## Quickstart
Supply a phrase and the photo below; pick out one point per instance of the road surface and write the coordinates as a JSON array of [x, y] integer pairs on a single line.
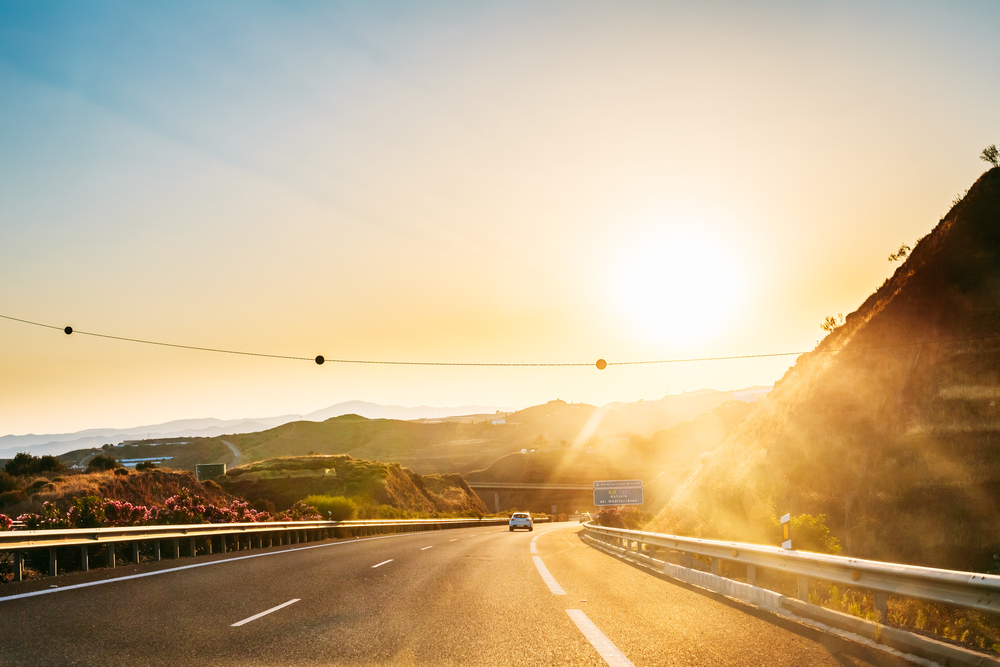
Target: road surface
[[236, 454], [481, 596]]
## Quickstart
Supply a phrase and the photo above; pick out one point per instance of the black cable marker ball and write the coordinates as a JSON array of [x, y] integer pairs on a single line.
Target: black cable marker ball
[[601, 364], [320, 360], [68, 330]]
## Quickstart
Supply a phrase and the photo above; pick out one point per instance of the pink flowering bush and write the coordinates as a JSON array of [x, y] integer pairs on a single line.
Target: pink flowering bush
[[182, 508], [5, 522], [299, 512]]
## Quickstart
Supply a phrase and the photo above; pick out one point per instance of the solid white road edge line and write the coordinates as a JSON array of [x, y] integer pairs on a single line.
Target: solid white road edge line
[[382, 563], [426, 548], [599, 640], [548, 578], [46, 591], [263, 613]]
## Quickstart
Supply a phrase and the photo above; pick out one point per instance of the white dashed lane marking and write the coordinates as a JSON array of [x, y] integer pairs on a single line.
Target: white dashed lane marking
[[382, 563], [263, 613], [599, 640]]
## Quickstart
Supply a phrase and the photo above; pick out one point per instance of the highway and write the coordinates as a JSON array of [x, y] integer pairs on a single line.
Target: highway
[[480, 596]]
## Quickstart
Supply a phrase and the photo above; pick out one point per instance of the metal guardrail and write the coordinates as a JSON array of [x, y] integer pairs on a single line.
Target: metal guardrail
[[963, 589], [204, 537]]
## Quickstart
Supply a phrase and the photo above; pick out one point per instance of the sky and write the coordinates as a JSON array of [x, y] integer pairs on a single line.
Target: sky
[[473, 182]]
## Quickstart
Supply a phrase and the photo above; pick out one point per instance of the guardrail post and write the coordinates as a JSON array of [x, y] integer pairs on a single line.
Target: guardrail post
[[803, 592], [177, 548], [111, 554], [194, 548], [222, 544], [18, 566], [84, 558], [135, 552], [716, 569], [53, 561], [686, 559], [752, 575], [208, 546], [882, 605], [156, 550]]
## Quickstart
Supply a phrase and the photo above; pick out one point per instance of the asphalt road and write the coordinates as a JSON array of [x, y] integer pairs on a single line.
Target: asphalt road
[[453, 597]]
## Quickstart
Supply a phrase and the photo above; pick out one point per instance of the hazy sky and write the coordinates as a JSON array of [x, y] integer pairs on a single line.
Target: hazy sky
[[470, 182]]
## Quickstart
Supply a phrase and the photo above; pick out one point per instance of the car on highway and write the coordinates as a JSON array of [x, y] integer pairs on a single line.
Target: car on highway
[[585, 517], [521, 520]]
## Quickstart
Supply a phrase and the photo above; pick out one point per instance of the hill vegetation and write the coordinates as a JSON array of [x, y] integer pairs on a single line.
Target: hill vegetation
[[375, 489], [890, 427]]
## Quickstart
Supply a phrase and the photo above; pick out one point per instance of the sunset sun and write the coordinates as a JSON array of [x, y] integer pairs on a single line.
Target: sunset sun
[[678, 287]]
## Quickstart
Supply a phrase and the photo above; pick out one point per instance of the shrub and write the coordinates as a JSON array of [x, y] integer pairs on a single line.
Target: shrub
[[121, 471], [5, 522], [991, 154], [26, 464], [809, 533], [11, 497], [7, 483], [102, 462], [299, 512], [335, 508], [145, 465], [611, 517]]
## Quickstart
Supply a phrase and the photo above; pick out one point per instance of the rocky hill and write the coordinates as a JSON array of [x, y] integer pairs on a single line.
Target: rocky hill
[[890, 426]]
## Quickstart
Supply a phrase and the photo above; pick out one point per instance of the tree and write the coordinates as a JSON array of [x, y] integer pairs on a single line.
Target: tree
[[991, 154], [831, 322], [900, 254], [20, 464], [102, 462]]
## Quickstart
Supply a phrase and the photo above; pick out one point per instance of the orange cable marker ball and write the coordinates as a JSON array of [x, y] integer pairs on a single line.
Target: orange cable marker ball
[[601, 364]]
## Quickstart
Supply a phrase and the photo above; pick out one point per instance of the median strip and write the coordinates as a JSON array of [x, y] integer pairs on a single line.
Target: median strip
[[382, 563], [263, 613], [599, 640]]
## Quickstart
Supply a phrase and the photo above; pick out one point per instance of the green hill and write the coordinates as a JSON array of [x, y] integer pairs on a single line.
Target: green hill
[[890, 426], [464, 446], [282, 481]]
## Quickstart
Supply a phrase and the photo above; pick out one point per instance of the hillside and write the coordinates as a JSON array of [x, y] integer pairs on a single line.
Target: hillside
[[148, 488], [282, 481], [890, 426], [463, 446]]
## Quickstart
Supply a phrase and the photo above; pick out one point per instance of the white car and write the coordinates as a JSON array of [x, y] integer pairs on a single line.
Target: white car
[[520, 520]]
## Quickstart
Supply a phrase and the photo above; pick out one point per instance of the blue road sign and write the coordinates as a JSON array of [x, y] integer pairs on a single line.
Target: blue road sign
[[618, 492]]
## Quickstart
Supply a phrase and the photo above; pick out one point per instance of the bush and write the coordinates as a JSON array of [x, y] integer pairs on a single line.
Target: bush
[[145, 465], [26, 464], [7, 483], [121, 471], [809, 533], [335, 508], [102, 462]]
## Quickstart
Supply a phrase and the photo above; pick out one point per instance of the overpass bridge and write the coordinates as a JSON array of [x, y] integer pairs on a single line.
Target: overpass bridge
[[536, 497]]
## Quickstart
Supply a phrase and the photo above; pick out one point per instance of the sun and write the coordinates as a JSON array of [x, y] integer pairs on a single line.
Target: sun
[[679, 286]]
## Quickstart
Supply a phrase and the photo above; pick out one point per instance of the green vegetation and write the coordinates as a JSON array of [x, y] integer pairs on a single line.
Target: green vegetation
[[374, 489], [26, 464], [102, 462], [335, 508]]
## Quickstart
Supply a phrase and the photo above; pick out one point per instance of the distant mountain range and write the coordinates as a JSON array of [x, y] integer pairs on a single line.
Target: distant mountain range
[[61, 443]]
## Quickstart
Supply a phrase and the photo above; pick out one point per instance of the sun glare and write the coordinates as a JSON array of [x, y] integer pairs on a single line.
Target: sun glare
[[678, 287]]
